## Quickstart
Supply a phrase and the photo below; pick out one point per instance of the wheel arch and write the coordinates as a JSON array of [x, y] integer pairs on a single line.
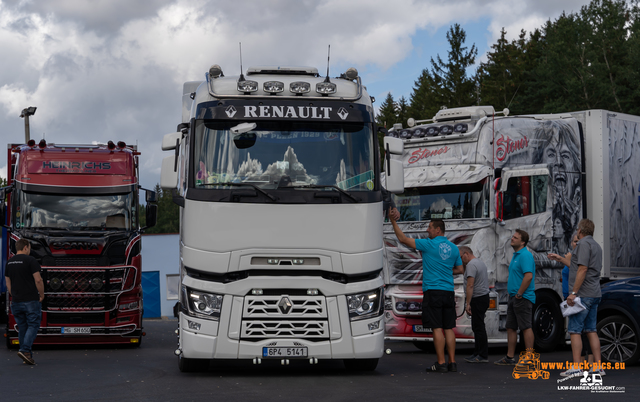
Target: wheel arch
[[609, 310]]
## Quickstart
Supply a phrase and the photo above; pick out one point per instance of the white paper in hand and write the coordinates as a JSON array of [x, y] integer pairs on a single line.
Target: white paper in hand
[[568, 310]]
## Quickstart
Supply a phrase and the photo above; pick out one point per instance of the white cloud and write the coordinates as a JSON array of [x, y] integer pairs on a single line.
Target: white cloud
[[113, 69]]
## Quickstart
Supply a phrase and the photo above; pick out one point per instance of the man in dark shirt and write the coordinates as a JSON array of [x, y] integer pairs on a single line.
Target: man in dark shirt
[[26, 288]]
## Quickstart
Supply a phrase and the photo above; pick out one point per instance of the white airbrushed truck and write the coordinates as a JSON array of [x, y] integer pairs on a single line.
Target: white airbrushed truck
[[277, 179], [487, 175]]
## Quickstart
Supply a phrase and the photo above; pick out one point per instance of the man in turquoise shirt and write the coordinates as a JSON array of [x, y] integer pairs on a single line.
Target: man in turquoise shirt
[[440, 261], [522, 297]]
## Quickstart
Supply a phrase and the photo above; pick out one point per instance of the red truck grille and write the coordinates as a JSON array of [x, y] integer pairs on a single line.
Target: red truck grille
[[80, 302]]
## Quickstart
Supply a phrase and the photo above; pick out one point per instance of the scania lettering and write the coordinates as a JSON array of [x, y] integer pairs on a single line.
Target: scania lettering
[[277, 178], [487, 175], [78, 207]]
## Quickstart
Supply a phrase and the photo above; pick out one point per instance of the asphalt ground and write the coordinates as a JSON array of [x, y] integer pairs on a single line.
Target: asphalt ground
[[150, 373]]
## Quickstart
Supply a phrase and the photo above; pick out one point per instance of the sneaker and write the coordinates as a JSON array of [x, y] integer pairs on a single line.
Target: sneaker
[[438, 368], [26, 357], [477, 359], [471, 358], [452, 367], [598, 371], [571, 373], [506, 361]]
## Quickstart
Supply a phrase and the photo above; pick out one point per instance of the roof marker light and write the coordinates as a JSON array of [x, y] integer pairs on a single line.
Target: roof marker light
[[215, 71]]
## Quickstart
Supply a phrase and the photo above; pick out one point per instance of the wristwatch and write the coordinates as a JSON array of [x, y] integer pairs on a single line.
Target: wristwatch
[[518, 296], [574, 293]]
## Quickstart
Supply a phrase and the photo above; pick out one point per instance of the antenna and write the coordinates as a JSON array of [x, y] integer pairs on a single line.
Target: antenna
[[241, 75], [328, 59]]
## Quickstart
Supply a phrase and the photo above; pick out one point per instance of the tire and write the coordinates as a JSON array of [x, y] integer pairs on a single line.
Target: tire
[[618, 340], [361, 364], [193, 365], [425, 346], [547, 323]]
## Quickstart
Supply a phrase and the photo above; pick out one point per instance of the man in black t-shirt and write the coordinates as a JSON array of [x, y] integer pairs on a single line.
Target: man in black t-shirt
[[26, 288]]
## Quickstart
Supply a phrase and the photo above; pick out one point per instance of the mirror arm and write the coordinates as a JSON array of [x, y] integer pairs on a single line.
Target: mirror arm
[[177, 153], [387, 157]]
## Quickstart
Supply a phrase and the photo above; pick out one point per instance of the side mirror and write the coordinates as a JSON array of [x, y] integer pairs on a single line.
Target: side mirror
[[383, 131], [3, 209], [393, 145], [168, 175], [171, 141], [150, 196], [151, 216]]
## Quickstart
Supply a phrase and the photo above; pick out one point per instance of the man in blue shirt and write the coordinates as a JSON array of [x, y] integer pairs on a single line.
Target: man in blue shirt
[[440, 261], [521, 288]]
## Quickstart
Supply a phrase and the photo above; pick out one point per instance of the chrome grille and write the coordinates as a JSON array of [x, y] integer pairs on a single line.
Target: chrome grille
[[284, 306], [285, 329]]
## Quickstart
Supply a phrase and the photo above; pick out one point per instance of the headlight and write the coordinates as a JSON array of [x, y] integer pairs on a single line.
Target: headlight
[[365, 305], [201, 304]]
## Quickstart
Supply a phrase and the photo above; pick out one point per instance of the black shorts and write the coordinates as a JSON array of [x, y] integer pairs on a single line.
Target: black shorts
[[439, 309], [519, 313]]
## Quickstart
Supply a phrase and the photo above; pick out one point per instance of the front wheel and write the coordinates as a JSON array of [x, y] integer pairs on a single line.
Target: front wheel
[[192, 365], [618, 340], [547, 323], [361, 364]]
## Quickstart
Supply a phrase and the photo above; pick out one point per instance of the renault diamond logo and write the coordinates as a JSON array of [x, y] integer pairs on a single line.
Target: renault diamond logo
[[285, 305], [342, 112], [231, 111]]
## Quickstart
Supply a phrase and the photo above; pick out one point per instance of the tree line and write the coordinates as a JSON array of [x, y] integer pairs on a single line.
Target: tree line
[[584, 60]]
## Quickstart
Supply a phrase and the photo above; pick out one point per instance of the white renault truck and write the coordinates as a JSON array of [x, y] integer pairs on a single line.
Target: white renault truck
[[277, 179], [486, 175]]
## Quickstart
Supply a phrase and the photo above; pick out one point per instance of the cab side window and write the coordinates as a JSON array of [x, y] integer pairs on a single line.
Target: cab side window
[[526, 195]]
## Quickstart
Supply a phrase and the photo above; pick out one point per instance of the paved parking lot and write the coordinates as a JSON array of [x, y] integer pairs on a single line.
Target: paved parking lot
[[150, 373]]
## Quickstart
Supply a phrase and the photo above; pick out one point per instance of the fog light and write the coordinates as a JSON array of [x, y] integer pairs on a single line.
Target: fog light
[[298, 262], [374, 325], [273, 261], [96, 283], [273, 87], [247, 86], [83, 284], [312, 292], [299, 87], [55, 283], [256, 292], [69, 284], [194, 325], [134, 340], [326, 88]]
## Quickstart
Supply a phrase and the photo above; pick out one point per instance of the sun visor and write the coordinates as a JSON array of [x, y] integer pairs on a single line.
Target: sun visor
[[445, 175]]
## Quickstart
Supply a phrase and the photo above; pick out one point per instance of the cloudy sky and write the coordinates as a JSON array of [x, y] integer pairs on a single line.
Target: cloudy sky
[[100, 70]]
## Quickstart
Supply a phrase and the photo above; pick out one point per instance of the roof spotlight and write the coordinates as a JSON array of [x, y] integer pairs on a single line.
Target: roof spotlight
[[351, 73], [42, 144], [31, 143], [111, 145], [215, 71], [122, 144]]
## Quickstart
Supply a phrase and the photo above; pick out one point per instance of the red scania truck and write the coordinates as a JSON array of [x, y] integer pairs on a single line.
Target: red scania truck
[[78, 207]]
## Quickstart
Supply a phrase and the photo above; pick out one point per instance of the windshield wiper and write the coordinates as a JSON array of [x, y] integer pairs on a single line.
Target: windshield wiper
[[354, 199], [229, 183]]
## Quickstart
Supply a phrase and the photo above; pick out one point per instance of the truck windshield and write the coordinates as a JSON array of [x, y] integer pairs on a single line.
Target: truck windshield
[[285, 154], [83, 212], [465, 201]]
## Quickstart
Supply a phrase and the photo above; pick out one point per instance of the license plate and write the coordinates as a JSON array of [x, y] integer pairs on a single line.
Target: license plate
[[420, 328], [75, 330], [284, 352]]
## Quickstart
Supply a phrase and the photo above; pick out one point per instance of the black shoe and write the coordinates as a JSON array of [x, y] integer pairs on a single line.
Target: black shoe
[[26, 357], [506, 361], [438, 368], [453, 367], [477, 359], [471, 359]]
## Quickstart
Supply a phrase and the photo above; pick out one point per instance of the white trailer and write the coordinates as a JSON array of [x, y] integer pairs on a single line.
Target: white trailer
[[277, 179], [488, 175]]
